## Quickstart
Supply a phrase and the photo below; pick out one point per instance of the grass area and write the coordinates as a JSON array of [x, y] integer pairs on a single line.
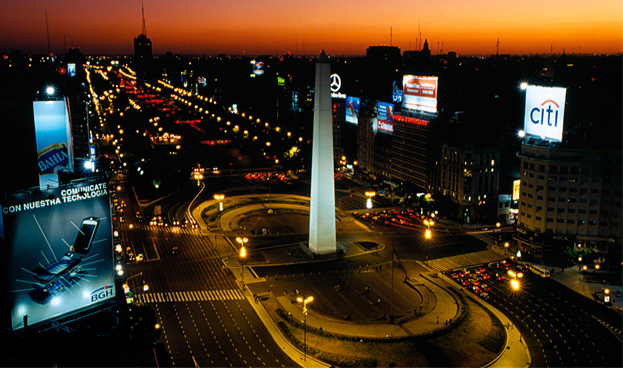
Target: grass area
[[474, 340]]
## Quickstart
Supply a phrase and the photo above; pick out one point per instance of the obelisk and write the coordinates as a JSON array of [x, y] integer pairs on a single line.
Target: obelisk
[[322, 207]]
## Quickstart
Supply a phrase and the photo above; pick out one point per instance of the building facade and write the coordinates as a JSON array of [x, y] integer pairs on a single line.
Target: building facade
[[569, 198]]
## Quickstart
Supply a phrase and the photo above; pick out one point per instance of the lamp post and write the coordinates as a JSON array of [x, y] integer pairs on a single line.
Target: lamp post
[[243, 255], [427, 233], [309, 299], [198, 177], [579, 264], [521, 326], [369, 194], [219, 198], [506, 247]]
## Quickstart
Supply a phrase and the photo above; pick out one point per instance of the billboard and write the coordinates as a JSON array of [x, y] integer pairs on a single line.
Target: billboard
[[71, 70], [385, 114], [545, 110], [258, 67], [516, 189], [53, 136], [419, 93], [352, 109], [59, 250]]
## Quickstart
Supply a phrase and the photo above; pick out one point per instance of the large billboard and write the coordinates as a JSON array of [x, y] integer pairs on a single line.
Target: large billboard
[[352, 109], [53, 136], [545, 111], [419, 93], [385, 114], [59, 250]]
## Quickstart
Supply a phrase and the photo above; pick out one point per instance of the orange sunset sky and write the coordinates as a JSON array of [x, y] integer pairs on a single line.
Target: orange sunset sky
[[346, 27]]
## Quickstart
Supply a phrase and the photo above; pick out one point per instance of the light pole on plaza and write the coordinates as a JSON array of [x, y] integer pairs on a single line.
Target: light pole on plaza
[[309, 299], [369, 194], [219, 198], [243, 255]]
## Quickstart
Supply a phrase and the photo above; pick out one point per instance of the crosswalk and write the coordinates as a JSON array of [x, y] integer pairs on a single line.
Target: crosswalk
[[189, 296], [170, 229], [465, 260]]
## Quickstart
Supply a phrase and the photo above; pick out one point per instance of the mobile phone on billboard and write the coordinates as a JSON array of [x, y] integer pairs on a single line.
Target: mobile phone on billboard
[[86, 235]]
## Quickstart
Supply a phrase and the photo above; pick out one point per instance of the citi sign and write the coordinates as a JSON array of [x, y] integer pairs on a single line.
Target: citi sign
[[102, 293], [545, 110]]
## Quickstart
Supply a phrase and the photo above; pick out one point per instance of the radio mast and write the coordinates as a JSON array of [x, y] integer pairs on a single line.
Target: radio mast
[[47, 28], [144, 32]]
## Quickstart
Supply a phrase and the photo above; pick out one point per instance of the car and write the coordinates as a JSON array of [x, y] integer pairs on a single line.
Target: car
[[139, 257], [121, 219], [183, 222], [175, 222], [485, 296], [174, 251], [485, 287], [499, 277]]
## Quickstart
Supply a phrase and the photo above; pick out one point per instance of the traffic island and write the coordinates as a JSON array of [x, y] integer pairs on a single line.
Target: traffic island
[[473, 339]]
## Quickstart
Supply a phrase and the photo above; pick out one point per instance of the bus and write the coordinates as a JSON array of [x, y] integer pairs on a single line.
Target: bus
[[540, 271]]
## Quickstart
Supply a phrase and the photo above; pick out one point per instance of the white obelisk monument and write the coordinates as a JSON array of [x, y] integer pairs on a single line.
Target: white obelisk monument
[[322, 207]]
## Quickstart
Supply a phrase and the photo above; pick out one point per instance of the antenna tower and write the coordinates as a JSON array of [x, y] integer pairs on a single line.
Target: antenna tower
[[47, 28], [391, 35], [497, 47], [144, 32]]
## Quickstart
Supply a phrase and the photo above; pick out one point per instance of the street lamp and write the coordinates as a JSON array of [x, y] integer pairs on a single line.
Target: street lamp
[[506, 247], [198, 177], [309, 299], [243, 255], [369, 194], [427, 233], [219, 198], [521, 326]]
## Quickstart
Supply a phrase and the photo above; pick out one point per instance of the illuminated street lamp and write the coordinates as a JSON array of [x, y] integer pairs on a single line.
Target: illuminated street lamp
[[428, 234], [506, 247], [219, 198], [198, 177], [243, 255], [309, 299], [369, 194]]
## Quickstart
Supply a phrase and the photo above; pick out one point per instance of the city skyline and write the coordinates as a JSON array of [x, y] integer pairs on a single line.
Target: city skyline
[[305, 27]]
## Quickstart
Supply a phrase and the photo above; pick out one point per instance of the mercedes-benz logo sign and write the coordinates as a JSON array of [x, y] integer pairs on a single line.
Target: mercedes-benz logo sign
[[336, 83]]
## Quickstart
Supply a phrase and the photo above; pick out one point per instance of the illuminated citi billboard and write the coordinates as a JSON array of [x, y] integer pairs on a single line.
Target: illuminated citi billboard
[[59, 250], [53, 136], [419, 93], [545, 111]]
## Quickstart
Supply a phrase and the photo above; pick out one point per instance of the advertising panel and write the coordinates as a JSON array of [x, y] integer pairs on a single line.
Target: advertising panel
[[419, 93], [516, 188], [258, 67], [59, 250], [385, 113], [352, 109], [545, 111], [53, 136], [71, 70]]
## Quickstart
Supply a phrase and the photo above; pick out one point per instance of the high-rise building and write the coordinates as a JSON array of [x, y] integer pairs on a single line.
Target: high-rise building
[[142, 53], [410, 150], [569, 198]]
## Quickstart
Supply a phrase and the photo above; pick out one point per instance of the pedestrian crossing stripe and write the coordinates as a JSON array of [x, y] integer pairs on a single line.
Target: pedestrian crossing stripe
[[189, 296], [170, 229], [465, 260]]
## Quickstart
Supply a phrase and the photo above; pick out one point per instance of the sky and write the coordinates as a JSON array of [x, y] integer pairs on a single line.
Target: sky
[[305, 27]]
